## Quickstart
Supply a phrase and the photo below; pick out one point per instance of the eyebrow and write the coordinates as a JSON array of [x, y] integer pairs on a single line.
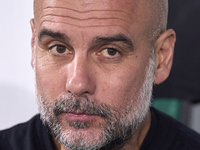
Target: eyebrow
[[115, 38], [55, 35]]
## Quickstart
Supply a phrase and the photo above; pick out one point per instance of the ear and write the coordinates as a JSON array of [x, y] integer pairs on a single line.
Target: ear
[[32, 22], [164, 50]]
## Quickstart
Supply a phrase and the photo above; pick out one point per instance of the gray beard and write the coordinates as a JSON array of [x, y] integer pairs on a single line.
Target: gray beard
[[119, 127], [113, 132]]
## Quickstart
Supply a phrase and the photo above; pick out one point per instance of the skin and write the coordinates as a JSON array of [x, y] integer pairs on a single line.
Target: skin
[[86, 68]]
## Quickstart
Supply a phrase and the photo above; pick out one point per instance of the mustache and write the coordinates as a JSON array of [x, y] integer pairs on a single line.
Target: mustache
[[81, 105]]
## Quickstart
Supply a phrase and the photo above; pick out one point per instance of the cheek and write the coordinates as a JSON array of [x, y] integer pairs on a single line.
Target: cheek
[[50, 83], [122, 88]]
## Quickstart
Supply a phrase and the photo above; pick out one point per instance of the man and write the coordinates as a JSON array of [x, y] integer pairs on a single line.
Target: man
[[95, 63]]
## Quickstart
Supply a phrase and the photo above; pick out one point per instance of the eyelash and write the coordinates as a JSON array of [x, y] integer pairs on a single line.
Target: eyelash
[[106, 52], [63, 49]]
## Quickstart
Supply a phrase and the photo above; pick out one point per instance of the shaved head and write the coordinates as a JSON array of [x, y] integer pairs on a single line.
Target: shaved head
[[156, 15]]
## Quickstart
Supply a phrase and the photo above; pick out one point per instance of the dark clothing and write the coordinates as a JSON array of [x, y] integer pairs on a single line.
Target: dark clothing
[[168, 134], [165, 134], [31, 135]]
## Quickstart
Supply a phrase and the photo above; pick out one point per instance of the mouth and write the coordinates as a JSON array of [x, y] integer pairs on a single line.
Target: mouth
[[80, 111], [79, 116]]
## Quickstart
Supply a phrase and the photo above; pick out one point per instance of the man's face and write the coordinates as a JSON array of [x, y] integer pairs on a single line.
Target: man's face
[[91, 63]]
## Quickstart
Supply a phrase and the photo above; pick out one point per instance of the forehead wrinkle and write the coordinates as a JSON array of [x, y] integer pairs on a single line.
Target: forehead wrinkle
[[79, 26], [81, 6], [112, 19], [84, 11], [85, 22], [82, 16]]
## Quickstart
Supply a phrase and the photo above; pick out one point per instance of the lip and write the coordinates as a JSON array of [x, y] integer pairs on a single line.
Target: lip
[[79, 116]]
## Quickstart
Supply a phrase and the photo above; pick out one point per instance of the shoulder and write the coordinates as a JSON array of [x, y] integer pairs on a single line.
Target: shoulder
[[178, 135], [22, 128], [22, 136]]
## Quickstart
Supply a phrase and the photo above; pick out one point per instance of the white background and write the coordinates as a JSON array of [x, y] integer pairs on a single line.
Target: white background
[[17, 85]]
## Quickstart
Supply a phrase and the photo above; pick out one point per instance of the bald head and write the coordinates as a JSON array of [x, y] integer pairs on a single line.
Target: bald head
[[156, 13]]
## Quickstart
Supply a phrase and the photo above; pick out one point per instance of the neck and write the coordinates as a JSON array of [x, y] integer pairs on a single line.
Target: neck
[[134, 143]]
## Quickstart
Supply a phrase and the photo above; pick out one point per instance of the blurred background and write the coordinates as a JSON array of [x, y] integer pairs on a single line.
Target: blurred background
[[179, 95], [17, 101]]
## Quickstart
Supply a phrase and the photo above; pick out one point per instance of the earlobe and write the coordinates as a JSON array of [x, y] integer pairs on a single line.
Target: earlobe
[[32, 22], [164, 50]]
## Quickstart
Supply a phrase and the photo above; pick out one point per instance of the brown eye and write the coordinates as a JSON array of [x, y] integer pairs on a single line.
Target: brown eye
[[59, 49], [109, 52]]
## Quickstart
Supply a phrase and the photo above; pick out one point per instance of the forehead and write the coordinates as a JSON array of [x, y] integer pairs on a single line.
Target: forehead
[[121, 14], [88, 5], [125, 10]]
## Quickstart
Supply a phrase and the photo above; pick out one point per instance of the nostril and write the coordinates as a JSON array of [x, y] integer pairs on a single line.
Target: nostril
[[69, 91]]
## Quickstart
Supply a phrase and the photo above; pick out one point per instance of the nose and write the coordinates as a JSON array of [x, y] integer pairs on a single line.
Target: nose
[[80, 77]]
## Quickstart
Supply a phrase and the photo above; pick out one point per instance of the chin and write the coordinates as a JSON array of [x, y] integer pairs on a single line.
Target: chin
[[91, 137]]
